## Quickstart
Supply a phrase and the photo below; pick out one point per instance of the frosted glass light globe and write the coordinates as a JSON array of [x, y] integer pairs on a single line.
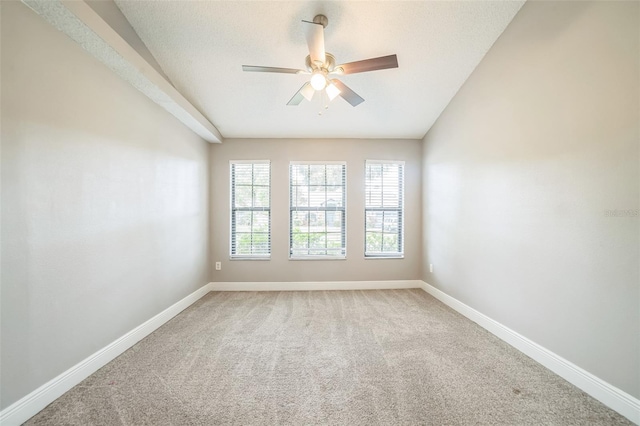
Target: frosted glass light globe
[[318, 81], [332, 91]]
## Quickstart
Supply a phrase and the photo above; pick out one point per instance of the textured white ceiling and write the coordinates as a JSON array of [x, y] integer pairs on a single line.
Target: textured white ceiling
[[202, 45]]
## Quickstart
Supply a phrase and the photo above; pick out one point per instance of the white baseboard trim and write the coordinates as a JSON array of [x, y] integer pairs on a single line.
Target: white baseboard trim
[[28, 406], [609, 395], [315, 285]]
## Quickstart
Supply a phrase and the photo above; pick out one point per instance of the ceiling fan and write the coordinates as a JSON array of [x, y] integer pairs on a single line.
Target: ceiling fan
[[321, 66]]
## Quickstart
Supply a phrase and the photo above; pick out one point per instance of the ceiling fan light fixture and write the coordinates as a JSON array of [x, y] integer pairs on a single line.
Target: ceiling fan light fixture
[[320, 64], [332, 91], [307, 91], [318, 80]]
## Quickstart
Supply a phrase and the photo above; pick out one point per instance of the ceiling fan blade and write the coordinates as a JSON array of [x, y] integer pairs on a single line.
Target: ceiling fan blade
[[373, 64], [305, 92], [314, 33], [253, 68], [347, 94]]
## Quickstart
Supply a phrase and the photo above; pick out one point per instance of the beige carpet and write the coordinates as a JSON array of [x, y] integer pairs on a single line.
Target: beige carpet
[[388, 357]]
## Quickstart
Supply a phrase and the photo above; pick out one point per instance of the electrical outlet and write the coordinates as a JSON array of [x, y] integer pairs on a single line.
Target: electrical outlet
[[431, 267], [218, 266]]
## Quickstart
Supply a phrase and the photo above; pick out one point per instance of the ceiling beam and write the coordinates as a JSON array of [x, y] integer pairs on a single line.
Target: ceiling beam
[[83, 25]]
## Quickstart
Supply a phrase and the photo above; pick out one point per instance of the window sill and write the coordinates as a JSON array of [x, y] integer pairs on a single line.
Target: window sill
[[318, 258], [384, 257], [249, 258]]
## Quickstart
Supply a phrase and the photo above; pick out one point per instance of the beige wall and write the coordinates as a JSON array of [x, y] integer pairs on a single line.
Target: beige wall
[[104, 205], [281, 152], [519, 172]]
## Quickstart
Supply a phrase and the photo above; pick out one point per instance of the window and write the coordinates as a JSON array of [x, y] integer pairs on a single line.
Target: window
[[250, 209], [317, 199], [384, 209]]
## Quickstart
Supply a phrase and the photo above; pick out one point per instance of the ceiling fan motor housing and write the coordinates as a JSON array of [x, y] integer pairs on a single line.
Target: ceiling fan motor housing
[[328, 66]]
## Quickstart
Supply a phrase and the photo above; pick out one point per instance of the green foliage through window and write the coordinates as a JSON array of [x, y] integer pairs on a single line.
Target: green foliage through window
[[384, 209], [250, 209], [317, 210]]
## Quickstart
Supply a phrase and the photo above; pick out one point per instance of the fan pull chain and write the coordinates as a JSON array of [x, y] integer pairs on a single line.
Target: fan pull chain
[[324, 100]]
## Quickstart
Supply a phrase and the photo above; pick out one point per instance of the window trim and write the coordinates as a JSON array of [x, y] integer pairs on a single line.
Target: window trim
[[231, 210], [400, 210], [343, 210]]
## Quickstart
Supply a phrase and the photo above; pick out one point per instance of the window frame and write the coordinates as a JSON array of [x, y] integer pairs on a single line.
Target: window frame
[[232, 209], [342, 209], [399, 210]]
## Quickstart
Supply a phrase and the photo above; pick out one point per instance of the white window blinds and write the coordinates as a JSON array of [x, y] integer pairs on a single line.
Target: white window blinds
[[384, 208], [317, 217], [250, 209]]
